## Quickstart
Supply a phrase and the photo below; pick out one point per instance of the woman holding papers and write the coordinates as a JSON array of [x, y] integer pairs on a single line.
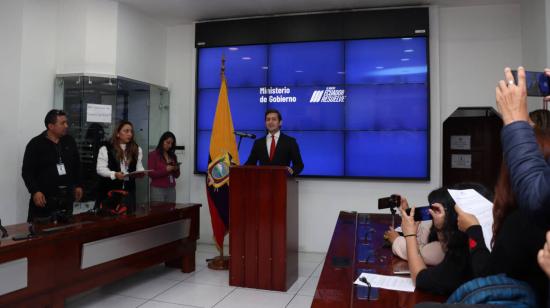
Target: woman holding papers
[[516, 238], [165, 169], [454, 270], [119, 164]]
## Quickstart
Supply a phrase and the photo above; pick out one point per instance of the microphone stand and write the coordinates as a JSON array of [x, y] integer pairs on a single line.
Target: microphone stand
[[240, 140]]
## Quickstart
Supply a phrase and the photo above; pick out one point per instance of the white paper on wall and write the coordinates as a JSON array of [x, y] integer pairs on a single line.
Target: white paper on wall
[[98, 113]]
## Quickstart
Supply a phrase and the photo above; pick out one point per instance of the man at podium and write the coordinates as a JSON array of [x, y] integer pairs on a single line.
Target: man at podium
[[276, 148]]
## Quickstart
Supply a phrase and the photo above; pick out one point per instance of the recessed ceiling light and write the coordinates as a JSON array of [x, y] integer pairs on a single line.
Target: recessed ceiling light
[[299, 71], [379, 67], [265, 67], [341, 73], [406, 38], [405, 59], [233, 48], [246, 58], [408, 50]]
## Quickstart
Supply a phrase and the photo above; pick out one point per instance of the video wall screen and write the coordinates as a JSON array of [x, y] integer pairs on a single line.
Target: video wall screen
[[357, 108]]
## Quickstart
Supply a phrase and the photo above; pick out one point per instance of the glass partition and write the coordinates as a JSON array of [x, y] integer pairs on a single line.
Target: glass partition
[[95, 105]]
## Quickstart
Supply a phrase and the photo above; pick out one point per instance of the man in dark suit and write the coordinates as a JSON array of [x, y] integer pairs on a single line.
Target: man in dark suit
[[276, 148]]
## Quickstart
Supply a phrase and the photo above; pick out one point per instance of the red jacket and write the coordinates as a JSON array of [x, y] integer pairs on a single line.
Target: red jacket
[[159, 176]]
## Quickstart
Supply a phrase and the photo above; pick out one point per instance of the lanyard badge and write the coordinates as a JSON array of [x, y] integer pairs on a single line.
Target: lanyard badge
[[61, 169]]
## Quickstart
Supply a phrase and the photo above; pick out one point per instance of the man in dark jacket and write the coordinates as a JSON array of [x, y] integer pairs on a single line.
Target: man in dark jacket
[[276, 148], [51, 169]]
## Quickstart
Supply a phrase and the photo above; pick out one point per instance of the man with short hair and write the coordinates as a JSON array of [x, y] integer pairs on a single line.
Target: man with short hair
[[276, 149], [51, 169]]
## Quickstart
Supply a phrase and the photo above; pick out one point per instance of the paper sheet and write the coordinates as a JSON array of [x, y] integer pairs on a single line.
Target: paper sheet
[[470, 201], [387, 282], [98, 113], [136, 173]]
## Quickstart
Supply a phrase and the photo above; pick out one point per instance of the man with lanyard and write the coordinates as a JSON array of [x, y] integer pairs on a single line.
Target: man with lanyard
[[51, 170]]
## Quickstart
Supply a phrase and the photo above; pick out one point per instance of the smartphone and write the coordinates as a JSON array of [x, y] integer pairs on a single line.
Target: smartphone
[[421, 213], [537, 83]]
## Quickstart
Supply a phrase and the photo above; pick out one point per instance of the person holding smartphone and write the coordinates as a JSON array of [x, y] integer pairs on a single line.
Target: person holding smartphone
[[165, 169], [455, 269], [118, 158], [430, 248]]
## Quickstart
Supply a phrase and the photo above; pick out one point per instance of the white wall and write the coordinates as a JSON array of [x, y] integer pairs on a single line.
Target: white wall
[[28, 35], [71, 38], [141, 47], [87, 37], [36, 82], [533, 34], [469, 48], [104, 37], [180, 79], [11, 14], [476, 43], [100, 34]]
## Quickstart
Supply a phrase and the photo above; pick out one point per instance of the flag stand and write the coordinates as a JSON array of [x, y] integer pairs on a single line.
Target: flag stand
[[219, 263]]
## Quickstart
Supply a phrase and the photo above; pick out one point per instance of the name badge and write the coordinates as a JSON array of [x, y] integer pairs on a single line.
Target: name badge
[[61, 169], [171, 179]]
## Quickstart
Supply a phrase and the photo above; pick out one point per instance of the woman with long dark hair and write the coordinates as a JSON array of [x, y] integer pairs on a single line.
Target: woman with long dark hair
[[516, 237], [165, 169], [115, 160], [454, 270]]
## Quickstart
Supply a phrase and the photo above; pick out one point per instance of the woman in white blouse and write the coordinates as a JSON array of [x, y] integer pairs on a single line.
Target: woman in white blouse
[[117, 162]]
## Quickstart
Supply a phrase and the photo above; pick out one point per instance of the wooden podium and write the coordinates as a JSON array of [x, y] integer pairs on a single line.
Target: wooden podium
[[263, 215]]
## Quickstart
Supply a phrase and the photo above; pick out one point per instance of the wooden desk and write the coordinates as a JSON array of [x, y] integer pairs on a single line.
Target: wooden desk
[[336, 288], [93, 251]]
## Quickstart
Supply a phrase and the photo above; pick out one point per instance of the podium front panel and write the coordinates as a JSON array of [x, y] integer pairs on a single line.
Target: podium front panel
[[263, 228]]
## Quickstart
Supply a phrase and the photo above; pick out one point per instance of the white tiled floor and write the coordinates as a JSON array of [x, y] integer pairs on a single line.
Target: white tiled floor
[[162, 287]]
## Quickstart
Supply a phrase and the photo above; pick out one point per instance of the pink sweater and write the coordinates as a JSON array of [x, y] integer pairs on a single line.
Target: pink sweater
[[159, 176]]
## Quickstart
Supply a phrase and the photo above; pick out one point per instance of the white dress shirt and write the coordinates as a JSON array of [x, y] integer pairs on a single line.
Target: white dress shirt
[[268, 141], [102, 166]]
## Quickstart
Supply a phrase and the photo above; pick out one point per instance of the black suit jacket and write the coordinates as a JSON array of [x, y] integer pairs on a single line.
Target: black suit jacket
[[286, 151]]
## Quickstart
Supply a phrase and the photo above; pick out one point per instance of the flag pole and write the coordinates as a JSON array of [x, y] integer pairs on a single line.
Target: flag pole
[[220, 262]]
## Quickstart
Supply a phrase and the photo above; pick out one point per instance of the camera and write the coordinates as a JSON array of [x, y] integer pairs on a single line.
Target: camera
[[390, 202]]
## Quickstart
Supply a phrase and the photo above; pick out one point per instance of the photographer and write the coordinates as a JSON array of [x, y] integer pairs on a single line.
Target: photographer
[[454, 270], [428, 244], [529, 171], [51, 169]]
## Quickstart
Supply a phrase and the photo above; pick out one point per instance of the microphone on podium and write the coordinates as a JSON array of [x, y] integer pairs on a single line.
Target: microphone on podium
[[245, 135]]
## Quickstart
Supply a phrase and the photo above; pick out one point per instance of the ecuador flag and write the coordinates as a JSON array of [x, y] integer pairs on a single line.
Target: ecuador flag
[[223, 154]]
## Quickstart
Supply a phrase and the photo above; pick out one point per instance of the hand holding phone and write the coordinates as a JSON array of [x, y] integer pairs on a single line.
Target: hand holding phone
[[537, 83], [420, 213]]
